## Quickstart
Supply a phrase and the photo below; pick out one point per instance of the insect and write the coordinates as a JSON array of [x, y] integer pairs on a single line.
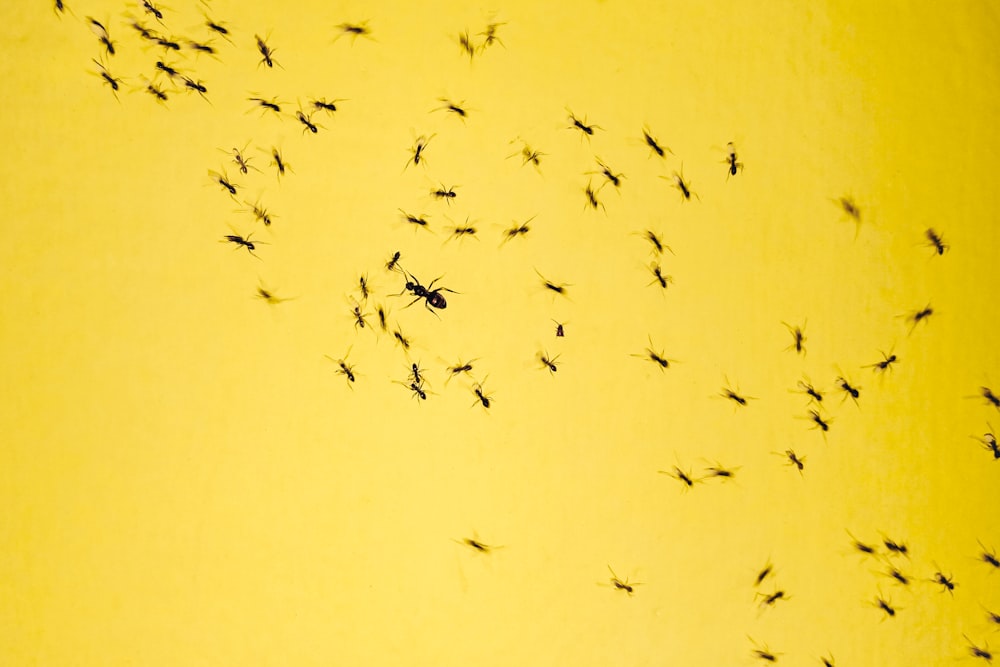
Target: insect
[[886, 364], [827, 661], [266, 105], [560, 330], [658, 276], [654, 146], [606, 171], [805, 387], [460, 367], [592, 200], [390, 264], [266, 52], [798, 338], [465, 42], [528, 154], [764, 573], [795, 460], [988, 556], [577, 124], [482, 398], [322, 105], [168, 44], [550, 364], [682, 185], [762, 652], [885, 605], [359, 317], [462, 232], [992, 617], [452, 107], [769, 600], [417, 221], [516, 230], [241, 161], [977, 652], [652, 355], [103, 37], [895, 547], [559, 288], [417, 389], [269, 296], [719, 471], [866, 549], [849, 390], [59, 7], [918, 316], [851, 209], [734, 165], [278, 162], [223, 180], [477, 545], [363, 286], [989, 442], [735, 397], [143, 31], [490, 36], [621, 585], [306, 121], [150, 8], [819, 422], [417, 151], [935, 241], [218, 28], [445, 193], [898, 576], [433, 298], [196, 86], [403, 341], [345, 369], [113, 82], [680, 476], [239, 241], [355, 30], [946, 582], [382, 321], [990, 397], [417, 375], [658, 245], [156, 92]]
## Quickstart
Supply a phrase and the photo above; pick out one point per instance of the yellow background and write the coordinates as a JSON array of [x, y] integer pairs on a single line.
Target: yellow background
[[186, 480]]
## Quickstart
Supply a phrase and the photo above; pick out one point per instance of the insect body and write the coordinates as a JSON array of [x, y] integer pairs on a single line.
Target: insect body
[[433, 298]]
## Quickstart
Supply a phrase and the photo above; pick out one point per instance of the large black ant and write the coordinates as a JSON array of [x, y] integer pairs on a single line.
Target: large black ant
[[990, 397], [764, 573], [363, 286], [577, 124], [452, 107], [108, 79], [734, 396], [894, 547], [653, 144], [548, 363], [592, 200], [223, 180], [143, 31], [307, 123], [849, 390], [433, 298], [239, 241], [770, 599], [156, 92], [528, 154], [762, 652], [683, 477], [794, 459], [322, 105], [417, 389], [267, 105], [805, 387], [482, 398], [606, 171], [798, 338], [885, 605], [278, 162], [460, 232], [719, 471], [196, 86], [658, 245], [820, 423], [218, 28], [168, 44], [898, 576], [168, 70], [359, 317], [935, 241], [383, 321], [946, 582], [460, 367], [390, 264], [863, 547], [445, 193], [476, 545], [150, 8]]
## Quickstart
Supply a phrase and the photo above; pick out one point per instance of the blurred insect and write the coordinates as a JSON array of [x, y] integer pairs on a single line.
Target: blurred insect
[[577, 124], [977, 652], [550, 364], [946, 582], [798, 338], [103, 37], [196, 86], [682, 185], [794, 459], [528, 154], [734, 165], [769, 600], [417, 221], [445, 193], [621, 585], [885, 605], [654, 146], [465, 42], [988, 556], [560, 330], [345, 369], [652, 355], [382, 321], [218, 28], [59, 8], [418, 390], [322, 105], [819, 422], [680, 476], [918, 316], [267, 105], [516, 230], [168, 44], [490, 36], [432, 297], [658, 276], [894, 547], [460, 233], [592, 200], [359, 317], [460, 367], [866, 549], [476, 545], [658, 245], [278, 162], [762, 652], [735, 397], [242, 161], [851, 209], [482, 398], [156, 92], [989, 442], [990, 397], [849, 390], [403, 341], [827, 661], [143, 31], [363, 286], [390, 264], [239, 241], [606, 171], [551, 286], [457, 108], [898, 576], [764, 573], [150, 8], [992, 617], [814, 394], [720, 472], [355, 30], [168, 70], [419, 146], [886, 364], [223, 180], [935, 241], [113, 82], [269, 296], [266, 52], [306, 121]]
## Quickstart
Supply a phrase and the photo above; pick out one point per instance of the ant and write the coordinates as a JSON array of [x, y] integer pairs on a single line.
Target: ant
[[658, 276], [415, 220], [762, 652], [417, 375], [992, 617], [278, 162], [886, 364], [59, 7], [432, 297], [849, 389], [223, 180], [977, 652], [656, 357], [306, 122], [417, 389], [798, 338], [403, 341], [852, 210], [917, 316], [885, 605], [465, 43], [946, 582], [460, 367], [359, 317], [390, 264], [267, 105], [444, 193], [577, 124], [990, 397], [322, 105], [269, 296], [156, 92], [355, 30], [769, 600], [814, 394], [605, 170], [681, 476], [168, 44], [895, 547], [150, 8], [490, 36], [98, 29], [764, 573], [656, 242], [108, 79], [239, 241], [196, 86], [549, 285], [478, 546], [143, 31], [935, 241], [457, 109], [259, 213], [623, 585], [794, 459], [653, 144], [482, 398], [718, 471], [516, 230], [345, 369], [419, 145], [592, 200], [988, 556], [462, 232], [241, 161], [560, 330], [866, 549], [168, 70], [735, 397], [266, 51], [821, 423], [827, 661], [528, 154], [989, 442], [734, 165], [550, 364], [898, 576], [363, 286], [680, 184], [382, 322]]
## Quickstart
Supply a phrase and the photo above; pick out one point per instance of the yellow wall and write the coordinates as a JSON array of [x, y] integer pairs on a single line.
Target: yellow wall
[[185, 479]]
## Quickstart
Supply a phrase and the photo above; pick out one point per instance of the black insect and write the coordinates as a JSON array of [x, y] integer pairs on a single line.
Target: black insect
[[560, 330], [417, 221], [267, 105], [260, 213], [898, 576], [827, 661], [417, 375], [653, 144], [989, 556], [306, 121], [946, 582], [770, 599], [143, 31], [403, 341], [196, 86], [59, 7], [814, 394], [621, 585], [516, 230], [548, 363], [269, 296], [390, 264], [528, 154], [156, 92], [977, 652], [992, 617], [853, 212], [322, 105], [735, 166], [577, 124], [764, 573], [150, 8], [102, 35], [894, 547], [819, 422], [918, 316], [477, 545], [218, 28], [355, 30], [658, 276], [433, 298], [606, 171], [795, 460], [278, 162], [460, 367], [242, 161], [658, 245], [239, 241], [798, 338], [682, 185], [935, 241], [445, 193], [490, 36], [363, 286], [990, 397], [885, 605], [113, 82], [465, 42], [721, 472], [482, 398], [383, 323], [460, 232], [989, 442], [345, 369], [849, 390], [266, 52], [359, 317], [864, 548], [681, 476], [457, 108], [168, 44], [223, 180], [592, 200], [559, 288], [418, 390], [652, 355], [886, 364], [762, 652], [734, 396]]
